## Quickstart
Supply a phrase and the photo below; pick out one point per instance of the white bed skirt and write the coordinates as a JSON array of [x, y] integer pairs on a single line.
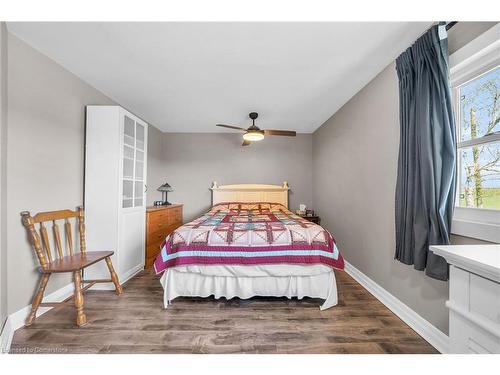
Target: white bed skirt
[[188, 284]]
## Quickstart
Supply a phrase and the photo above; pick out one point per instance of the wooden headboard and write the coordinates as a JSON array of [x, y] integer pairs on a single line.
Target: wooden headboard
[[250, 193]]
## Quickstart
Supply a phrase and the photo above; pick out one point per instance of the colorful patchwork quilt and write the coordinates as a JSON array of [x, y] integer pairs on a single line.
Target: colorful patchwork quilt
[[249, 234]]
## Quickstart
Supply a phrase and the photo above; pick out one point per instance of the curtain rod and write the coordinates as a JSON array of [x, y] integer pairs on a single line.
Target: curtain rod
[[449, 25]]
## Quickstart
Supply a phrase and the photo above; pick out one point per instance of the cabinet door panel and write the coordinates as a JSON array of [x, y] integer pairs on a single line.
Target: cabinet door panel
[[140, 155], [139, 170], [131, 241], [139, 165], [140, 136], [128, 131], [127, 193], [485, 298], [128, 152]]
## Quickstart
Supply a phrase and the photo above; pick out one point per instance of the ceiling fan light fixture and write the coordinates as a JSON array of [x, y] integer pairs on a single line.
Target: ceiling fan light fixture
[[253, 136]]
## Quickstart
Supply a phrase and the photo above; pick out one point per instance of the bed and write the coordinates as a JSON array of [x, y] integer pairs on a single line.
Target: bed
[[249, 244]]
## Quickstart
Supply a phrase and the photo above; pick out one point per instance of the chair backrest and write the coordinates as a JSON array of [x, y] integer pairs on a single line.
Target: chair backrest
[[40, 241]]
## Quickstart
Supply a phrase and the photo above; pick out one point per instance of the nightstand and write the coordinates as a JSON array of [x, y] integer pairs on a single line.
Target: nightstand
[[313, 219]]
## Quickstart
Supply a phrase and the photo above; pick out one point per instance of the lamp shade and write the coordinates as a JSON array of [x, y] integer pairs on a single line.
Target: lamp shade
[[165, 187]]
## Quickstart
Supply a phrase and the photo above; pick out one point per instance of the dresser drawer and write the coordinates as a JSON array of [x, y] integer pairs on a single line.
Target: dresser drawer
[[175, 215], [150, 261], [158, 214], [158, 236], [153, 250], [153, 230], [157, 222], [164, 218], [174, 226]]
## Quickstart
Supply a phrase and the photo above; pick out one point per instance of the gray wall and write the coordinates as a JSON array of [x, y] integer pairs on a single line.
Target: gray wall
[[192, 161], [156, 160], [355, 157], [464, 32], [46, 107], [3, 179]]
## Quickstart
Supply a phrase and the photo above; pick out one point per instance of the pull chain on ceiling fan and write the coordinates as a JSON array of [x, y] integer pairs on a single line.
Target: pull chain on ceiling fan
[[254, 133]]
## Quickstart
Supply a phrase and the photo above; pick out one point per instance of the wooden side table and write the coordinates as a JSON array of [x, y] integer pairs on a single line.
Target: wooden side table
[[313, 219]]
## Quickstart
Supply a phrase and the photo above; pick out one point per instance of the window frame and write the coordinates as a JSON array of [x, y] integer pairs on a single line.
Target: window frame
[[475, 59]]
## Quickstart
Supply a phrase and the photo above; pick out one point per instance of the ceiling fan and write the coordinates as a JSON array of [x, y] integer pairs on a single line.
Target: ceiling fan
[[254, 133]]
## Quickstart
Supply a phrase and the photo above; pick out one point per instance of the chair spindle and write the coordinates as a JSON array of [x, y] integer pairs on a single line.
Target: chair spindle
[[69, 236], [45, 242], [81, 229], [57, 237], [34, 238]]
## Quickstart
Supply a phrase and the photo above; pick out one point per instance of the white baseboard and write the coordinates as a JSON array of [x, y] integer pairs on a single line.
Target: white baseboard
[[6, 337], [16, 320], [430, 333]]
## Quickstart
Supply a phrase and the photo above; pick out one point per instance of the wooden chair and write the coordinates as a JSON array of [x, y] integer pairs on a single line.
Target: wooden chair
[[73, 262]]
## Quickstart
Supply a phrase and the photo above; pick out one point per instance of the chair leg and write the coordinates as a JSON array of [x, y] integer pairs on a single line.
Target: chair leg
[[81, 319], [37, 299], [114, 276]]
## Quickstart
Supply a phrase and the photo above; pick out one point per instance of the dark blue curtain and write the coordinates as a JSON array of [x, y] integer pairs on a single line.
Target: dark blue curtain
[[425, 188]]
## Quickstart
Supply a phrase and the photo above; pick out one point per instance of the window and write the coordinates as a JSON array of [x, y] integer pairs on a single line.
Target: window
[[478, 122], [475, 79]]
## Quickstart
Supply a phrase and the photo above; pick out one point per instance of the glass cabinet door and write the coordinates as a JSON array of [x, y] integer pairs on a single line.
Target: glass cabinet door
[[133, 186], [139, 165]]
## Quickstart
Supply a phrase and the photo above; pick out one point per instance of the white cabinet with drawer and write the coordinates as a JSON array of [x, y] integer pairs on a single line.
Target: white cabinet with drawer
[[474, 301]]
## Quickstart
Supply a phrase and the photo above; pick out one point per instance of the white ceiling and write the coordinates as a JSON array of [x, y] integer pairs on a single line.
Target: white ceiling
[[186, 77]]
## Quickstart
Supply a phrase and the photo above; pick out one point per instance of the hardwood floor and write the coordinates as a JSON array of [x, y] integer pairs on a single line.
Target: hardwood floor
[[136, 323]]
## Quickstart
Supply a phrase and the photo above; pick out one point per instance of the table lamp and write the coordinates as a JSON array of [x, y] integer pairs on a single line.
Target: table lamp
[[165, 188]]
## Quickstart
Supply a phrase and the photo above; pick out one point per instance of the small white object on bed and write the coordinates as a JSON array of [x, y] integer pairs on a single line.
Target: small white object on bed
[[246, 281]]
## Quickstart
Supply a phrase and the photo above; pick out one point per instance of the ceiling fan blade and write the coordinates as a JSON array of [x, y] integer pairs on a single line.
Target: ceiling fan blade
[[246, 143], [231, 127], [289, 133]]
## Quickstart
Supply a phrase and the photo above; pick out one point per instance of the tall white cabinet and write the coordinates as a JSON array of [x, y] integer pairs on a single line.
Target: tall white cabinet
[[115, 189]]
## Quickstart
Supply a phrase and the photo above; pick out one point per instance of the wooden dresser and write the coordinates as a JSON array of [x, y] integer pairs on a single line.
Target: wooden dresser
[[160, 222]]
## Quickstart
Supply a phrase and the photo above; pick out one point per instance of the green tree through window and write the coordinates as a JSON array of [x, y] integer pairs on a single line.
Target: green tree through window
[[479, 142]]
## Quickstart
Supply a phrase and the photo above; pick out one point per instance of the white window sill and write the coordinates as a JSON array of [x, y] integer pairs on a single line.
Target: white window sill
[[482, 224]]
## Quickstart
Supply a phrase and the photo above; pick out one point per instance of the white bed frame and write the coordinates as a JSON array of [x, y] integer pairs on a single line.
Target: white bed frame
[[177, 283], [250, 193]]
